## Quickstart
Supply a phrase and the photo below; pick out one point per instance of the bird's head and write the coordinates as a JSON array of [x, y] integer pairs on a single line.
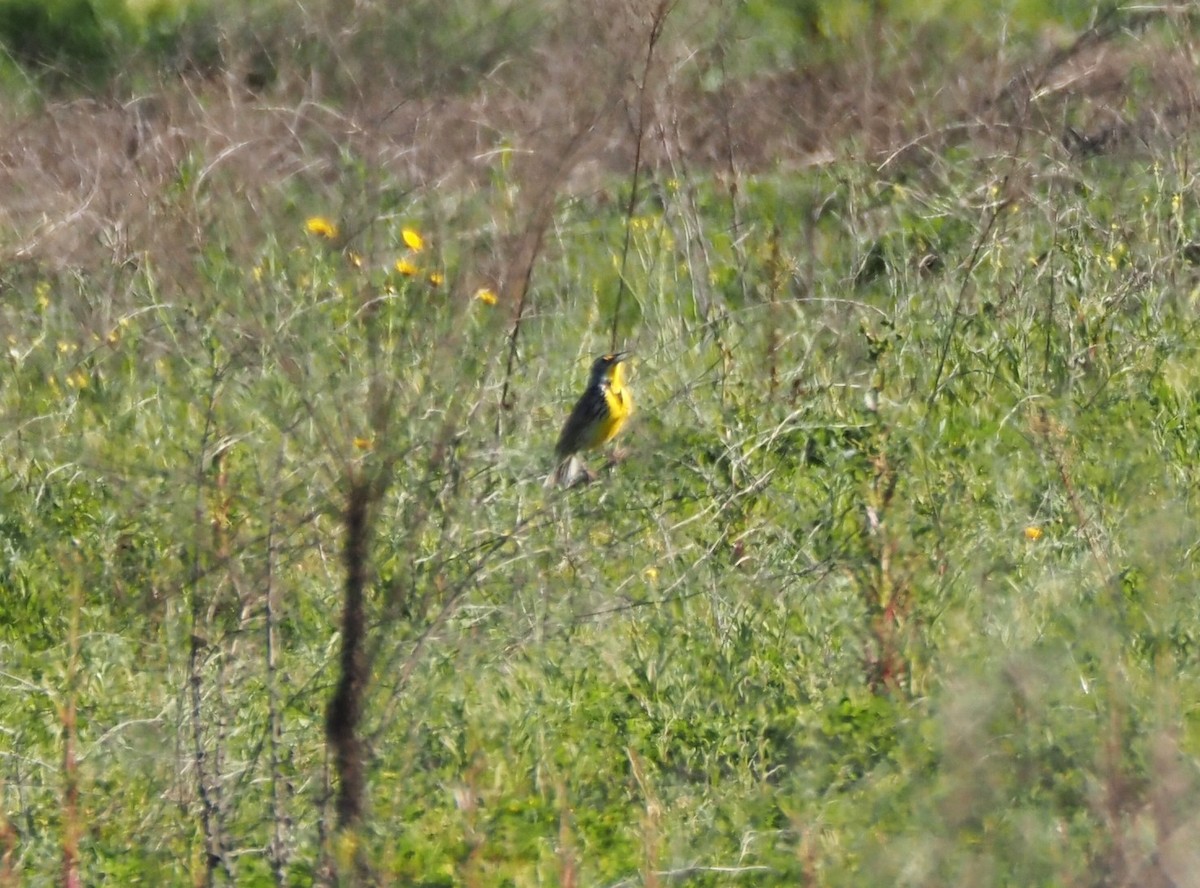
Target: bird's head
[[606, 370]]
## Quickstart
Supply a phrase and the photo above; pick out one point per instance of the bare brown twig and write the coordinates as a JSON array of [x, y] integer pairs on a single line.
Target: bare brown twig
[[658, 22]]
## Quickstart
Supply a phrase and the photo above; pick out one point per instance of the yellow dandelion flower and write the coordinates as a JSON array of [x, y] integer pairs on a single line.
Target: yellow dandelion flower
[[321, 227], [413, 239], [436, 278], [1033, 533], [486, 296], [406, 268], [364, 444]]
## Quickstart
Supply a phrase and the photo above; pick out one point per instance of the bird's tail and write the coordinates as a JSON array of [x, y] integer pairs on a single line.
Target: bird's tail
[[566, 472]]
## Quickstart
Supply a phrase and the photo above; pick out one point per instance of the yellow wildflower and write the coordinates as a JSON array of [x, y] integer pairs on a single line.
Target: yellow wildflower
[[486, 296], [354, 258], [413, 239], [364, 444], [436, 278], [321, 227], [1033, 533], [406, 268]]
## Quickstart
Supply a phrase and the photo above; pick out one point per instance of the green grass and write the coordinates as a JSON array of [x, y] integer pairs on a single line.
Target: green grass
[[895, 583]]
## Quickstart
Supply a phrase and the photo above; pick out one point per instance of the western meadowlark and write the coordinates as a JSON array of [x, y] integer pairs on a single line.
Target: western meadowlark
[[598, 415]]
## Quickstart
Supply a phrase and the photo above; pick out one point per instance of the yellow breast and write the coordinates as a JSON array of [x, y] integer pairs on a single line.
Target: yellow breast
[[620, 406]]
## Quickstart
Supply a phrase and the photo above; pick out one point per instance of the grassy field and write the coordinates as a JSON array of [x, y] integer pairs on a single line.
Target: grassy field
[[892, 579]]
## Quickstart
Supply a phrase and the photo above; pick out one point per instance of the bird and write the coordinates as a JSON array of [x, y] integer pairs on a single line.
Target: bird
[[598, 415]]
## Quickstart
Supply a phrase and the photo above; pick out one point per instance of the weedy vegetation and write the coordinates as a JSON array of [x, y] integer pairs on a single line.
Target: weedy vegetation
[[893, 577]]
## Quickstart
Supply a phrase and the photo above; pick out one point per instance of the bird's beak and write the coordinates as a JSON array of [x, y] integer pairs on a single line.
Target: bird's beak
[[621, 356]]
